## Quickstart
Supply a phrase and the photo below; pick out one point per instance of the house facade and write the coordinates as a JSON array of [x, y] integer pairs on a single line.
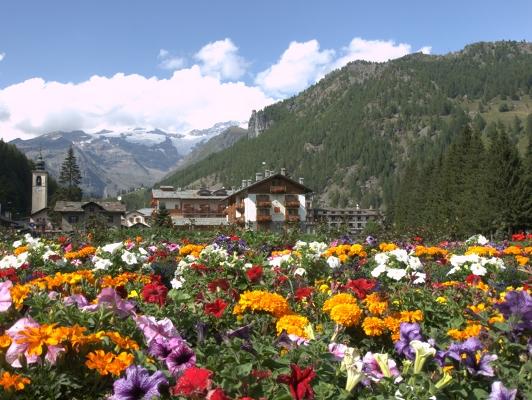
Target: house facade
[[269, 203], [80, 214], [201, 209], [137, 218], [352, 220]]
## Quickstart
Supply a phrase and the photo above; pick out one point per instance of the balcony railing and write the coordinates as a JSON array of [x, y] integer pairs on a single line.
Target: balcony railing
[[292, 204], [264, 203], [277, 189], [264, 218], [292, 218]]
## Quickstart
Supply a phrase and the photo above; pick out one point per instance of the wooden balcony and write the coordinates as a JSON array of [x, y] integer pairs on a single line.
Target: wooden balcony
[[264, 218], [292, 218], [292, 204], [240, 206], [264, 203], [277, 189]]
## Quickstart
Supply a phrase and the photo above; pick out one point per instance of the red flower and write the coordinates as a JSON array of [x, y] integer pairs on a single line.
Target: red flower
[[199, 267], [518, 237], [254, 273], [11, 274], [217, 394], [218, 283], [261, 374], [216, 308], [360, 287], [303, 293], [473, 279], [299, 382], [193, 381], [154, 293], [234, 238]]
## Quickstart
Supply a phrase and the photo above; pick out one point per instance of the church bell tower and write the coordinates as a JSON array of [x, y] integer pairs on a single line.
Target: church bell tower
[[39, 186]]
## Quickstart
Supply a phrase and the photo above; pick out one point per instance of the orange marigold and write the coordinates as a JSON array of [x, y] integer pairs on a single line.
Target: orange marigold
[[20, 250], [376, 304], [373, 326], [19, 294], [387, 246], [13, 381], [340, 298], [259, 300], [37, 337], [346, 314], [293, 324]]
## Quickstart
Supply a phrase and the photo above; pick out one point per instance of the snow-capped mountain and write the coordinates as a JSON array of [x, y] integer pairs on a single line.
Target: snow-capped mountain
[[116, 161]]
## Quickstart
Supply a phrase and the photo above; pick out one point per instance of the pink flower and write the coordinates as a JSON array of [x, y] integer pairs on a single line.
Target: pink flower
[[5, 295]]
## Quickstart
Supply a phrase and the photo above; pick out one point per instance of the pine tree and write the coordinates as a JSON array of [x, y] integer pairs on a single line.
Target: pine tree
[[163, 219], [70, 177]]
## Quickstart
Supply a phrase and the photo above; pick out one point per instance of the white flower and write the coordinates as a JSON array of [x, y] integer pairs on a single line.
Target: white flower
[[378, 271], [333, 262], [423, 351], [396, 273], [18, 243], [481, 240], [458, 261], [478, 269], [129, 258], [177, 283], [400, 254], [414, 263], [300, 272], [112, 247], [420, 277], [101, 263], [497, 262], [248, 265], [381, 258], [143, 251]]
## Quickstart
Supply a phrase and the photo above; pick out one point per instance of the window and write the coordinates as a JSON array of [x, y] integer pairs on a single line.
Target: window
[[293, 211], [137, 219], [73, 219], [110, 219], [263, 211], [38, 181]]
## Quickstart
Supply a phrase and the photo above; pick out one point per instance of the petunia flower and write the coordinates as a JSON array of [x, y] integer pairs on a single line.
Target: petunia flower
[[378, 366], [194, 381], [517, 308], [499, 392], [138, 384], [423, 351], [216, 308], [151, 328], [5, 295], [161, 347], [354, 367], [109, 298], [180, 358], [407, 333], [299, 382]]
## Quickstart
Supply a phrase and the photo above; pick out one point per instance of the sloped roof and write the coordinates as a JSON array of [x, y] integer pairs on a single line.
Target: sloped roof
[[79, 206], [275, 176], [186, 194], [207, 221]]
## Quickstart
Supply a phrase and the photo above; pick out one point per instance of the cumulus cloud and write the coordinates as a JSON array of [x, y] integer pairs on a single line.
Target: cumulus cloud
[[188, 99], [2, 55], [301, 64], [425, 50], [221, 60], [170, 62]]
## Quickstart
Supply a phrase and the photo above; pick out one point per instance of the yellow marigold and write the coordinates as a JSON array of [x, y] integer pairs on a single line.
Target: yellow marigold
[[373, 326], [346, 314], [100, 361], [498, 317], [375, 304], [19, 294], [259, 300], [293, 324], [512, 250], [387, 246], [19, 250], [461, 335], [481, 250], [13, 381], [522, 260], [343, 258], [5, 341], [411, 316], [441, 299], [324, 288], [125, 343], [480, 307], [430, 251], [279, 253], [357, 250], [450, 283], [37, 337], [191, 249], [340, 298], [528, 250]]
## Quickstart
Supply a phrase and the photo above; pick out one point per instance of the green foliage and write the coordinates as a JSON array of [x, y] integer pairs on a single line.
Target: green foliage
[[15, 180], [70, 178]]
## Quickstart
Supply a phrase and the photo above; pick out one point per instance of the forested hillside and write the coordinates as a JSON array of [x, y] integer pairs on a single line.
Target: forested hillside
[[15, 180], [353, 134]]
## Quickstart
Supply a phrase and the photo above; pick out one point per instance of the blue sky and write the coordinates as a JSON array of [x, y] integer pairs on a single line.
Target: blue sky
[[238, 44]]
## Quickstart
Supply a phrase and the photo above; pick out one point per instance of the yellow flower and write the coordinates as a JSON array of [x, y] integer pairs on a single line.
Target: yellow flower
[[461, 335], [346, 314], [36, 337], [133, 294], [496, 318], [17, 382], [324, 288], [375, 304], [521, 260], [478, 308], [293, 324], [259, 300], [19, 294], [387, 246], [373, 326], [481, 250], [19, 250], [341, 298], [441, 299], [512, 250], [411, 316]]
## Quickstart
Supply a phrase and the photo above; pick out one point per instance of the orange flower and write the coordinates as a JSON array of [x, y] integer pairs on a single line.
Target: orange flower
[[521, 260], [387, 246], [19, 294], [375, 304], [293, 324], [123, 342], [19, 250], [341, 298], [17, 382], [259, 300], [5, 341], [373, 326], [108, 363], [346, 314], [512, 250], [37, 337]]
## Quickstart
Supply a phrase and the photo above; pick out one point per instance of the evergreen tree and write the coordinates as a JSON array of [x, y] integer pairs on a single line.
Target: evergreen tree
[[162, 218], [70, 178]]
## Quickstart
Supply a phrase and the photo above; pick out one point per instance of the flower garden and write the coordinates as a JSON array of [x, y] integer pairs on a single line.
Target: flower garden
[[264, 317]]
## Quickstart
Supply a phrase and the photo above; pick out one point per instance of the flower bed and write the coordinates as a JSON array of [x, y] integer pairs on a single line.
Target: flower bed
[[257, 319]]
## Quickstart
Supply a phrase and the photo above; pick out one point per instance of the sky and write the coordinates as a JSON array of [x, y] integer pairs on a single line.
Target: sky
[[182, 65]]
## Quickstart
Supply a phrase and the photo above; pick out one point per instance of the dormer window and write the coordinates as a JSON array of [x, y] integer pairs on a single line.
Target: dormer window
[[38, 181]]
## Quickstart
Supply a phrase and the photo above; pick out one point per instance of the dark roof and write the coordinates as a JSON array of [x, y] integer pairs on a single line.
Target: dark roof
[[79, 206], [39, 211], [275, 176]]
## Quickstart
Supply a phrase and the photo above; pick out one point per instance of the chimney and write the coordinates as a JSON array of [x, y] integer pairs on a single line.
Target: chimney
[[249, 182], [243, 183], [283, 171], [258, 176], [301, 181]]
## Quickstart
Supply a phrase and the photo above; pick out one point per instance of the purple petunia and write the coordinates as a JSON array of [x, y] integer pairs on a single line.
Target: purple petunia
[[107, 298], [469, 353], [152, 329], [138, 384], [161, 347], [517, 308], [407, 333], [180, 358], [499, 392]]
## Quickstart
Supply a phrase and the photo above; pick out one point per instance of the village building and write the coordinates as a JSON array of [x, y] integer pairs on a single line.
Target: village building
[[138, 219], [351, 220], [269, 203], [193, 209], [80, 214], [39, 217]]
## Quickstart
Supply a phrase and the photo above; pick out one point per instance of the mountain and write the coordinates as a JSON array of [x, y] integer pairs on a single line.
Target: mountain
[[113, 162], [351, 134]]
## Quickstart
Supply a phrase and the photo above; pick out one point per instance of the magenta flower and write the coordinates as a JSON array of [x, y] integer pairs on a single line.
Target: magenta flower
[[161, 347], [5, 295], [151, 328], [109, 298], [499, 392], [181, 358]]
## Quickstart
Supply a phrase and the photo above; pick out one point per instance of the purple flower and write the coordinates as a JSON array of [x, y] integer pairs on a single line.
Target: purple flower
[[138, 384], [180, 358], [337, 350], [517, 308], [5, 295], [151, 328], [161, 347], [76, 299], [469, 353], [499, 392], [378, 366], [407, 333], [371, 241], [109, 298]]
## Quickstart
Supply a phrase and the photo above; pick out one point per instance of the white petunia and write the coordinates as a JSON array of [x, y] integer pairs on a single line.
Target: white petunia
[[381, 258], [396, 273], [112, 247], [18, 243], [420, 277], [101, 263], [478, 269], [300, 272], [333, 262], [177, 283], [129, 258], [378, 271]]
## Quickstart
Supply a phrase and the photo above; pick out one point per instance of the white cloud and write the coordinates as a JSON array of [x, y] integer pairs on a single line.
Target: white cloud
[[301, 64], [221, 60], [170, 62], [372, 50], [188, 99], [425, 50], [2, 56]]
